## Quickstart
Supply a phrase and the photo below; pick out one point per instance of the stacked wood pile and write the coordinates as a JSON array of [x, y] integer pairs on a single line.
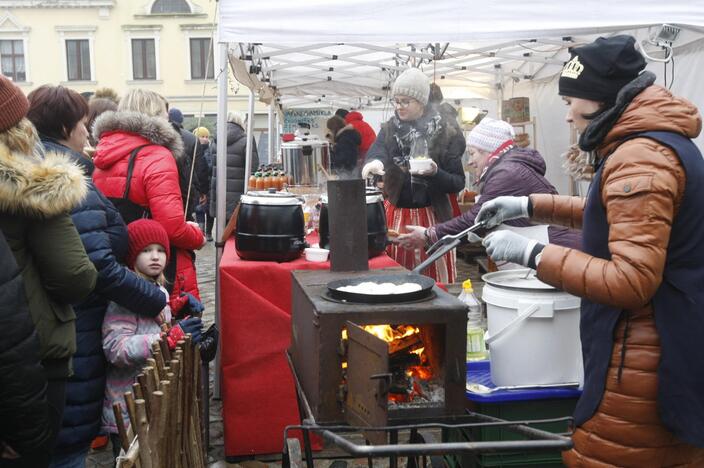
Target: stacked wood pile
[[164, 410]]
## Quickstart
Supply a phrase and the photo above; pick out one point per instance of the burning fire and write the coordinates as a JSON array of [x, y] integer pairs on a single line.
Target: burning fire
[[389, 334], [422, 372], [412, 373]]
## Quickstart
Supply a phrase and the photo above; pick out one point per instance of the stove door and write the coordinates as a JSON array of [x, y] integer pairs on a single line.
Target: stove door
[[368, 382]]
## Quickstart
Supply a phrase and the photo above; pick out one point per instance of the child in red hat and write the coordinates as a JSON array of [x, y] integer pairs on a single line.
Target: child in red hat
[[127, 337]]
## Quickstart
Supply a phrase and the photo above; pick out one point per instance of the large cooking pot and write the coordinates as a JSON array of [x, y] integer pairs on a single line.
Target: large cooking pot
[[302, 161], [376, 223], [270, 226]]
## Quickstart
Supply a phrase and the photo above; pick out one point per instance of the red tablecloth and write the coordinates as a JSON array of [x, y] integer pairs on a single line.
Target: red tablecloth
[[258, 393]]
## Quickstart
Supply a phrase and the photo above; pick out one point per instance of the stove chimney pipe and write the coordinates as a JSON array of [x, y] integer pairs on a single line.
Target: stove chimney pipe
[[347, 221]]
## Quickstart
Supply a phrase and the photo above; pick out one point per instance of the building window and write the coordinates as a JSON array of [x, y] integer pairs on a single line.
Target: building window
[[200, 52], [170, 6], [143, 59], [78, 59], [12, 58]]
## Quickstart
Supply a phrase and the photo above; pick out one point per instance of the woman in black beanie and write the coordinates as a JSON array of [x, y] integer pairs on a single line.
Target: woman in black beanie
[[641, 270]]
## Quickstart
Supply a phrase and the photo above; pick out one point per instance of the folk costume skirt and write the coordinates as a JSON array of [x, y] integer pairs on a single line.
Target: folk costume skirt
[[443, 270]]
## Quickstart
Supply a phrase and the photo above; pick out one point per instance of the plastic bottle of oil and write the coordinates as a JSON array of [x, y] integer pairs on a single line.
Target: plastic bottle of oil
[[476, 349]]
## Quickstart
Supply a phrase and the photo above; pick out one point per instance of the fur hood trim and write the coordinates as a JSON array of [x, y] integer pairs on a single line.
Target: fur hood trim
[[345, 128], [155, 129], [37, 187]]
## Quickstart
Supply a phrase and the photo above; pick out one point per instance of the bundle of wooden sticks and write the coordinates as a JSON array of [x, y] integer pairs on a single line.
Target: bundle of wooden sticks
[[164, 410]]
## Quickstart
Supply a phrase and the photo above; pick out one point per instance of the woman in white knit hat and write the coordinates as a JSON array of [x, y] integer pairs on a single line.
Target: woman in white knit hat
[[417, 196], [501, 168]]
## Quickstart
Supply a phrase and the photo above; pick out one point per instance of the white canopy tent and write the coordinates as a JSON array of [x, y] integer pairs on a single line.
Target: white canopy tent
[[341, 54], [327, 51], [332, 54]]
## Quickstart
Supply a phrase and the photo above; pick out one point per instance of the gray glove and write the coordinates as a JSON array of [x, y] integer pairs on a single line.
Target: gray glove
[[500, 209], [510, 247]]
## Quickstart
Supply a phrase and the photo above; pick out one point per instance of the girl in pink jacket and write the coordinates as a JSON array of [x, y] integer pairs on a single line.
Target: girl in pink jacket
[[127, 337]]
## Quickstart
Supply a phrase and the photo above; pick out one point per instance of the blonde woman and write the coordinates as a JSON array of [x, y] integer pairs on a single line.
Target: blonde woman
[[139, 130]]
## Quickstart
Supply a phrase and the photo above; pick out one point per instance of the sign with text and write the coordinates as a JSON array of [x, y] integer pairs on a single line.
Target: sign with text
[[316, 118]]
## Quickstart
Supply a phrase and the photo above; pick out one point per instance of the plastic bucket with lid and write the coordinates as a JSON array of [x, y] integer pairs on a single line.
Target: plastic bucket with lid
[[533, 334]]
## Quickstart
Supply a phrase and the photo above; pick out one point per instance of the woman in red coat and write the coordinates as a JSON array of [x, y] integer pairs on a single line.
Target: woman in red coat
[[141, 124]]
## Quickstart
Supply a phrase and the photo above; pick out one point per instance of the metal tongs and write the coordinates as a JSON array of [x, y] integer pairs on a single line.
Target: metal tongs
[[444, 245]]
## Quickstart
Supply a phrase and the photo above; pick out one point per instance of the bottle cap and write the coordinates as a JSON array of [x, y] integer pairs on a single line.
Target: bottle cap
[[467, 286]]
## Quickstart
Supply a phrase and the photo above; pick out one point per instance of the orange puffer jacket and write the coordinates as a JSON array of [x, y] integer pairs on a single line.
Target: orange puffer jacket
[[626, 429]]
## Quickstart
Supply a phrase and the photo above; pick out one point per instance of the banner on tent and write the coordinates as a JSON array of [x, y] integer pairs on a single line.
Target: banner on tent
[[316, 118]]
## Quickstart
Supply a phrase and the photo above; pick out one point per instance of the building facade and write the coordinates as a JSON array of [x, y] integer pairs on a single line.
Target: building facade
[[161, 45]]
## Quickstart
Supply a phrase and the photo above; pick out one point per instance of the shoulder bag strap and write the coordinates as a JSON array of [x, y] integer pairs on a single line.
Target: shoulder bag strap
[[130, 170]]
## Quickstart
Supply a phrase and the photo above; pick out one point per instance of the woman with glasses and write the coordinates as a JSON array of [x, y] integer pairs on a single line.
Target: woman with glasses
[[417, 196]]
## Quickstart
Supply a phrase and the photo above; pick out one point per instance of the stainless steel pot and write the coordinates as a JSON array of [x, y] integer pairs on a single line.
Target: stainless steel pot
[[302, 161]]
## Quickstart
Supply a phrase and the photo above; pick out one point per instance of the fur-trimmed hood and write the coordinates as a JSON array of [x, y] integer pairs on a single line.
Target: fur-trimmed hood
[[153, 129], [344, 129], [36, 187]]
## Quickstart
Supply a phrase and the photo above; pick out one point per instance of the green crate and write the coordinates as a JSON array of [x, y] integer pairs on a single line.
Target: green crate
[[514, 411]]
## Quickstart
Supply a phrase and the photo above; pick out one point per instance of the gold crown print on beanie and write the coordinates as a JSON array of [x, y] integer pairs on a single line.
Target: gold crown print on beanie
[[597, 71], [573, 68]]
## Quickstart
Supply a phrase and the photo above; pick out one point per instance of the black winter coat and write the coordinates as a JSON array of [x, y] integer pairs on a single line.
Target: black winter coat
[[104, 236], [345, 151], [201, 173], [24, 411], [236, 147]]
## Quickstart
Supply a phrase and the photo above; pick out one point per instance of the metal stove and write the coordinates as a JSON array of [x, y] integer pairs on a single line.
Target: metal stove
[[359, 394]]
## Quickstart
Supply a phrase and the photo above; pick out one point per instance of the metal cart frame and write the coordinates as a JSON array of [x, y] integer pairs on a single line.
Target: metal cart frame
[[418, 448]]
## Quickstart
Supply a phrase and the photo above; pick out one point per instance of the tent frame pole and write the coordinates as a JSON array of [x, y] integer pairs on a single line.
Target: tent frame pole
[[270, 133], [220, 191], [499, 90], [250, 138]]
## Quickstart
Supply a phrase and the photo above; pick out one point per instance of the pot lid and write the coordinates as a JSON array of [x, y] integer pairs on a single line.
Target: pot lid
[[271, 197], [523, 279], [302, 143], [371, 197]]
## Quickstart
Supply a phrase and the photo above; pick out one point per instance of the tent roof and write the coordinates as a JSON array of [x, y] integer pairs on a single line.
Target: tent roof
[[342, 53]]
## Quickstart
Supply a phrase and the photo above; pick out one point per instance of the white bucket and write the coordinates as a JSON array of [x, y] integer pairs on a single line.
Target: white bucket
[[533, 334]]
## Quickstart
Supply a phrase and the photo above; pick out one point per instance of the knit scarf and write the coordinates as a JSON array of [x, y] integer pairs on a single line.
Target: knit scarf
[[505, 147], [406, 133], [602, 124]]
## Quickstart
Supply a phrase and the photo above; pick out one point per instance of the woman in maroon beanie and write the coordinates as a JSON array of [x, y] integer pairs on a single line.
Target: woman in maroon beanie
[[37, 193]]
